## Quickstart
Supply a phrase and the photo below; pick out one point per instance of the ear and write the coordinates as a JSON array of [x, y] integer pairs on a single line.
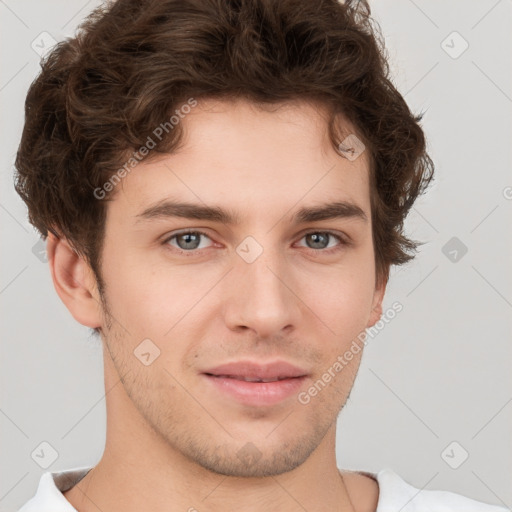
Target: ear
[[378, 297], [74, 282]]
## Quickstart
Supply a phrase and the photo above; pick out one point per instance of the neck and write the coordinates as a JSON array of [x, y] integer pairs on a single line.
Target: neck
[[129, 478]]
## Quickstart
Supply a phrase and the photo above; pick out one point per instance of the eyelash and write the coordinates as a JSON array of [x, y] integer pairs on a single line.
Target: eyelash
[[194, 252]]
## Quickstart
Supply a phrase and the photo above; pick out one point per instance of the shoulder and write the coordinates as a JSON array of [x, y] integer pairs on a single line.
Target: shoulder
[[363, 489], [49, 495], [396, 494]]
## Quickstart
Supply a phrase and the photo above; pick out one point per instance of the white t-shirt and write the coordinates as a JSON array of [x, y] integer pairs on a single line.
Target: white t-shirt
[[395, 494]]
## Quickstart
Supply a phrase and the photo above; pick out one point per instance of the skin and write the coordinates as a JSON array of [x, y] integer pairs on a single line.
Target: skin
[[173, 441]]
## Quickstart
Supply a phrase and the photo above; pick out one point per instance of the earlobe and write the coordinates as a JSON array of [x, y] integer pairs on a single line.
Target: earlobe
[[74, 282], [378, 297]]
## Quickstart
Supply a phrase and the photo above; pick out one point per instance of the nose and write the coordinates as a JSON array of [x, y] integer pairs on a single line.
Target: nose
[[260, 296]]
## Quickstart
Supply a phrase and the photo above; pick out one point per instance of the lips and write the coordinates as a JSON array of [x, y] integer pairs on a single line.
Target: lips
[[250, 379], [254, 372], [254, 384]]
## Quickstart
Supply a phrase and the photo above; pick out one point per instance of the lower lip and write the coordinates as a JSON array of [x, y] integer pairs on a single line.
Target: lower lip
[[257, 393]]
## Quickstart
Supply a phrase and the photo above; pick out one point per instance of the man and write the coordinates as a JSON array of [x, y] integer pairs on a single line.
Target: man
[[223, 186]]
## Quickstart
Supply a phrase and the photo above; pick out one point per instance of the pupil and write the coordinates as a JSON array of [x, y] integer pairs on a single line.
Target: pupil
[[318, 236], [187, 237]]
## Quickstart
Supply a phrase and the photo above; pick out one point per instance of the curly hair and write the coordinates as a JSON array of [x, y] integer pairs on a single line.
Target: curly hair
[[134, 62]]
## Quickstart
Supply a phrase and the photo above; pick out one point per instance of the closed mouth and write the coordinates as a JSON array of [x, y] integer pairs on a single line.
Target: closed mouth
[[250, 379]]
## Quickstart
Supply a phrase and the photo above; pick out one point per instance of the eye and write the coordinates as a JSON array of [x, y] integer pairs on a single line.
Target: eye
[[187, 241], [320, 241], [190, 241]]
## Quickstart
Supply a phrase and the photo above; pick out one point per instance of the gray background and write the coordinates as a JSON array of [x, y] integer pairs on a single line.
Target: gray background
[[438, 373]]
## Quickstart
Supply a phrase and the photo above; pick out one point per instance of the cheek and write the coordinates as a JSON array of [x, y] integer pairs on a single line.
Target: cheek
[[343, 310], [156, 300], [340, 297]]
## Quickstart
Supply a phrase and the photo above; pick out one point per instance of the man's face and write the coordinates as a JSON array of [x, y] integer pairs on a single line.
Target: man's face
[[262, 290]]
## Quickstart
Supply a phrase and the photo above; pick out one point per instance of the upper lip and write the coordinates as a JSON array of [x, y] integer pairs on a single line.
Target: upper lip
[[253, 370]]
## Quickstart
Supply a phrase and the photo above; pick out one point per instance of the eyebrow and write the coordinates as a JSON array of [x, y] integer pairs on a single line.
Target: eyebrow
[[169, 209]]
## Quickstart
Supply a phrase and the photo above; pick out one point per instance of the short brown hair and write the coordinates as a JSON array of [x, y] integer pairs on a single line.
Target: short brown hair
[[134, 62]]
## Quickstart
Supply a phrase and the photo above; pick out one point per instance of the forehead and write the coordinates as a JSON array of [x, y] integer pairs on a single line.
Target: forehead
[[267, 158]]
